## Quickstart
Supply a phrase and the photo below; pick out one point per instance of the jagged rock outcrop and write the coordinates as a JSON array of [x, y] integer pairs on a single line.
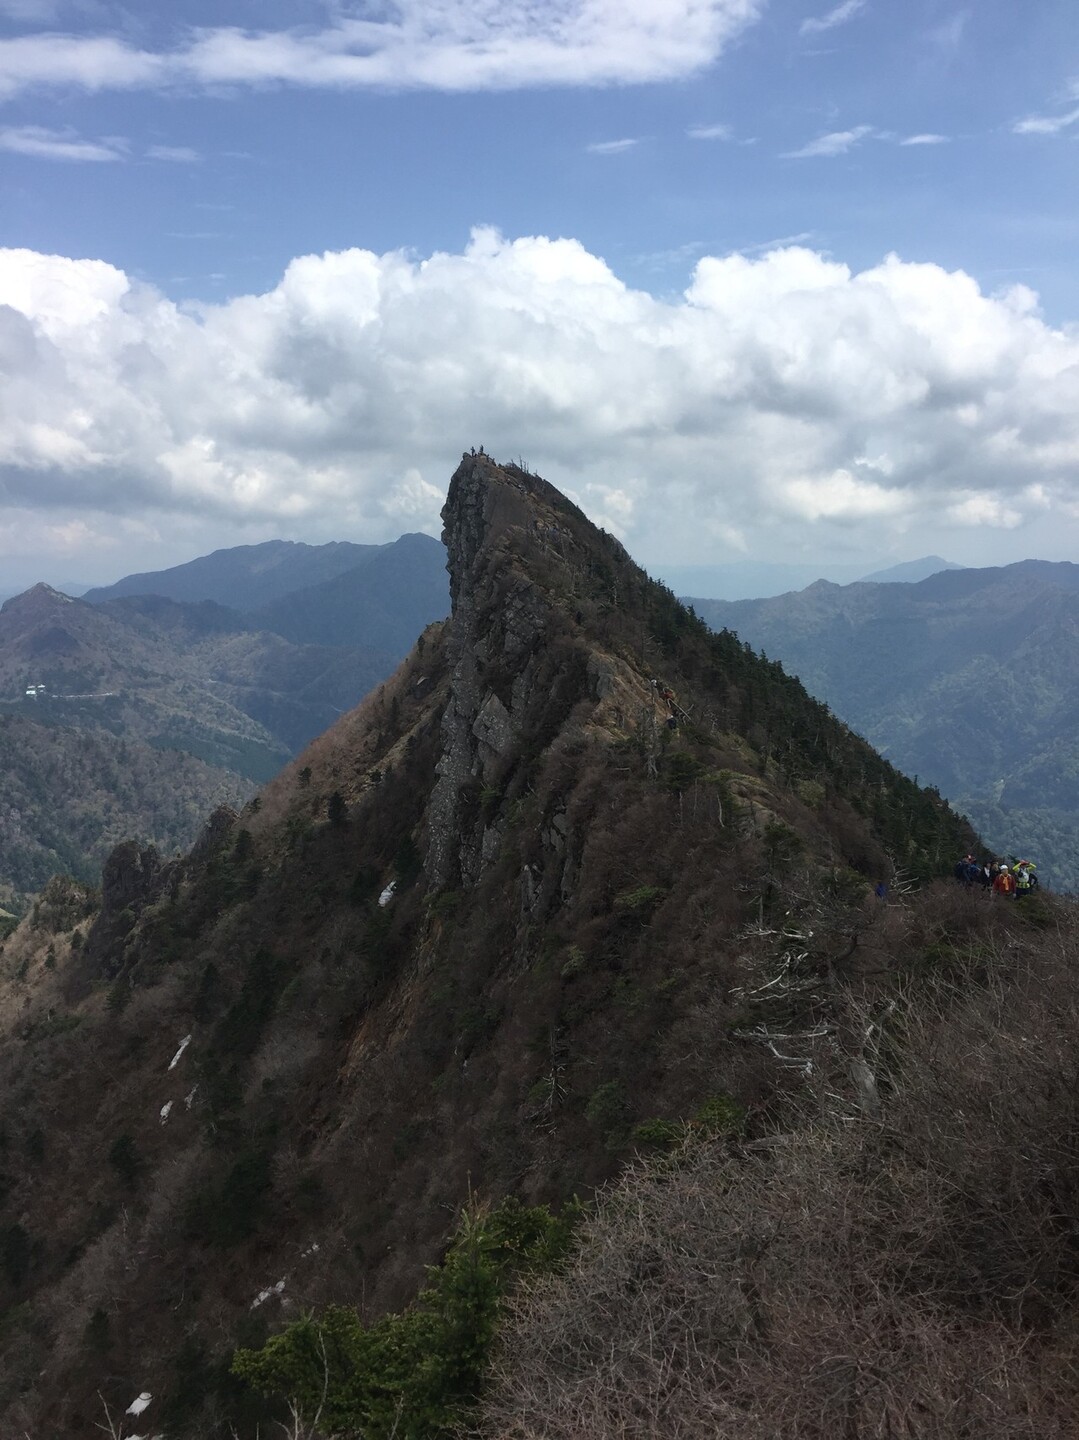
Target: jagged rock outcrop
[[131, 879], [517, 551], [479, 727]]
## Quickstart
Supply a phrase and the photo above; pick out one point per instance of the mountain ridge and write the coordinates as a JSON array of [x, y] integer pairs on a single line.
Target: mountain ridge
[[270, 569], [966, 678], [498, 915]]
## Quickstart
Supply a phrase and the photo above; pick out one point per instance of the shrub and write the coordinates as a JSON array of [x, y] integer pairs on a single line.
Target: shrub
[[606, 1110], [231, 1211], [640, 901], [419, 1372], [658, 1132]]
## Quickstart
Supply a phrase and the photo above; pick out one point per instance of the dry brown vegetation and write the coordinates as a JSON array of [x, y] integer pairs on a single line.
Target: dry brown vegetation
[[907, 1273]]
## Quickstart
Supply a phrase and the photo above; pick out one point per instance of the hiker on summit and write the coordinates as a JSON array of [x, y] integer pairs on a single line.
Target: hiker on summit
[[967, 871], [1025, 879], [1004, 884]]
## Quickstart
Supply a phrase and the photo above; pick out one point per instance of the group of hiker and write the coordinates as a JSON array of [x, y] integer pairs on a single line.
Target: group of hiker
[[669, 701], [997, 877]]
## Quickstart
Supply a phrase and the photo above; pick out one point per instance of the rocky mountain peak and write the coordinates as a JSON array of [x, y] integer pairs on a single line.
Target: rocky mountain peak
[[40, 600], [518, 552]]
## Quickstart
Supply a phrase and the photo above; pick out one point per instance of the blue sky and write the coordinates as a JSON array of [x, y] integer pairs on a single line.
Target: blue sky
[[642, 244]]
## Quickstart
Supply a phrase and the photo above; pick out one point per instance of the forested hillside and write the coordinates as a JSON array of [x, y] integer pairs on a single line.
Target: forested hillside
[[165, 709], [71, 795]]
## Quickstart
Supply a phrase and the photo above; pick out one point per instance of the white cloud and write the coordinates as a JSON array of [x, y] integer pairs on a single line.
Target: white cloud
[[709, 132], [1046, 124], [836, 143], [926, 139], [979, 510], [783, 402], [456, 45], [611, 147], [78, 62], [838, 16], [610, 506], [781, 242], [39, 143], [177, 154], [842, 496]]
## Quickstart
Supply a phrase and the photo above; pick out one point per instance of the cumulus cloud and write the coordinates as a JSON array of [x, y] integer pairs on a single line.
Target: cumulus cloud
[[815, 25], [457, 45], [838, 142], [783, 401], [40, 143]]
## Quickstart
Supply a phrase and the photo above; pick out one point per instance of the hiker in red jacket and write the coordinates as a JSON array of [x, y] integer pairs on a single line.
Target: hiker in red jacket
[[1004, 884]]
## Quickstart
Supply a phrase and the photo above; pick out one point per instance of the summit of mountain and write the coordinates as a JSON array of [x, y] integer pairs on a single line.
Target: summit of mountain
[[38, 599], [504, 912], [909, 572]]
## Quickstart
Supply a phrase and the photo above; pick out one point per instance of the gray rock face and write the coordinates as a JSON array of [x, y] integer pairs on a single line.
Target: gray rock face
[[129, 877], [521, 666], [493, 637], [214, 833]]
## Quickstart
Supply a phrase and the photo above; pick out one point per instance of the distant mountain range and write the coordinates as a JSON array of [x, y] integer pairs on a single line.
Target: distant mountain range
[[246, 577], [189, 702], [753, 579], [968, 679]]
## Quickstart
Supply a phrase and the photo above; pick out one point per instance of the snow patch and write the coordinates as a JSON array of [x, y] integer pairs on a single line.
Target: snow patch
[[265, 1295], [139, 1404], [387, 894], [189, 1098], [165, 1111], [184, 1043]]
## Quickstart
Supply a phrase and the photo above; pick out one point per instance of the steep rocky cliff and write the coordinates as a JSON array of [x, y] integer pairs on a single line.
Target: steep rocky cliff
[[501, 914]]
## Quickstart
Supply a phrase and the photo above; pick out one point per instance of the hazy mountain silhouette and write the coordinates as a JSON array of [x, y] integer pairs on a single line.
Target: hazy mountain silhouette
[[754, 579], [243, 577]]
